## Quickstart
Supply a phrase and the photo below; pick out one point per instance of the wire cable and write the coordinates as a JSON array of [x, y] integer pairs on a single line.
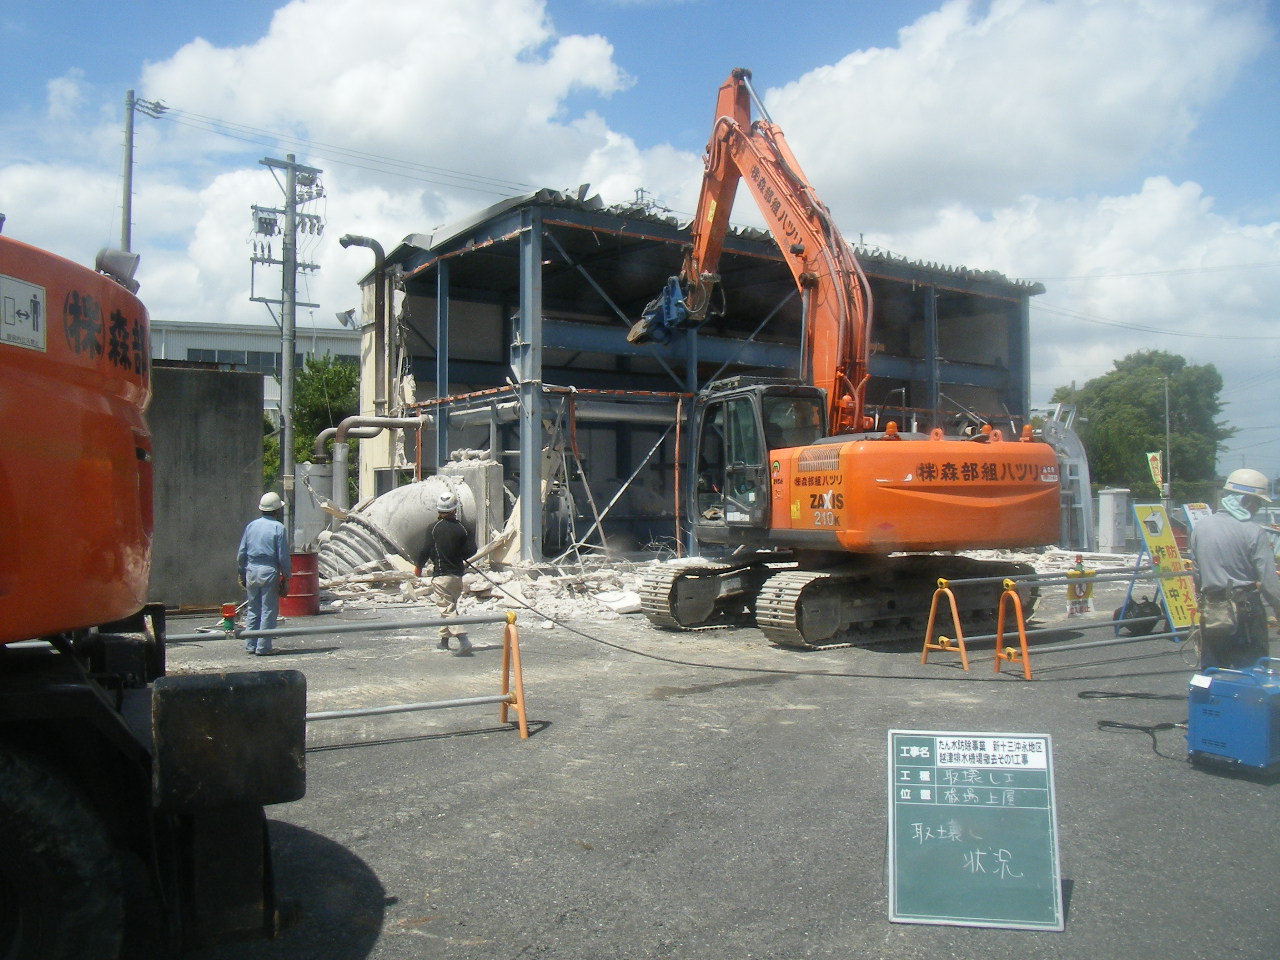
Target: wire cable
[[735, 668]]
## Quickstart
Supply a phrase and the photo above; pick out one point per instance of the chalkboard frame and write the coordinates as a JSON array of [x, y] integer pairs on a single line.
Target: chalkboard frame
[[945, 864]]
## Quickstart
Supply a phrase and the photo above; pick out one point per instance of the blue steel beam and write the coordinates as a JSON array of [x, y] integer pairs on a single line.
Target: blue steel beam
[[601, 338]]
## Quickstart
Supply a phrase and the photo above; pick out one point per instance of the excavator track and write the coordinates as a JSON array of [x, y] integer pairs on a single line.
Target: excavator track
[[880, 601], [701, 596]]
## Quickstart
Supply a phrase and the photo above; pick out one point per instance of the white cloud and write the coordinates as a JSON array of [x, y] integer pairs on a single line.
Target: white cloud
[[65, 95], [980, 106]]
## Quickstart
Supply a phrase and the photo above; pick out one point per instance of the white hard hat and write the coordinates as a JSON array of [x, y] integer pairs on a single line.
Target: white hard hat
[[1248, 481], [447, 502], [270, 503]]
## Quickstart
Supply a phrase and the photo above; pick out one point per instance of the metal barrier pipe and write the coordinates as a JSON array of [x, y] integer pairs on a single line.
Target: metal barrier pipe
[[368, 626], [1061, 579], [409, 707], [1083, 626], [512, 694], [1056, 647]]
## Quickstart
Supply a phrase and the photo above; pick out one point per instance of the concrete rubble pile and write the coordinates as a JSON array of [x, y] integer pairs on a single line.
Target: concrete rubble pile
[[602, 589], [595, 589]]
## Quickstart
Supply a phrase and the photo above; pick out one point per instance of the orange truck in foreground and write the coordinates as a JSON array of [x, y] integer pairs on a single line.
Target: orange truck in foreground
[[109, 768]]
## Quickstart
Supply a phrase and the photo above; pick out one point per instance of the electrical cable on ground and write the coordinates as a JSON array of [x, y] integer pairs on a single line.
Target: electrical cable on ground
[[1149, 729], [733, 668]]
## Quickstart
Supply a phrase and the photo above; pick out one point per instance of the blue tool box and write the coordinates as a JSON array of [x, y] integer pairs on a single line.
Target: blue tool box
[[1233, 716]]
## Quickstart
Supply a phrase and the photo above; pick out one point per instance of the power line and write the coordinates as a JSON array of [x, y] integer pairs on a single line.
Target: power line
[[1173, 272], [1142, 328], [347, 156]]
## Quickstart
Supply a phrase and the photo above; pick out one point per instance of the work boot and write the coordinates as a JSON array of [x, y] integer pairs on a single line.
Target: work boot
[[443, 645], [464, 647]]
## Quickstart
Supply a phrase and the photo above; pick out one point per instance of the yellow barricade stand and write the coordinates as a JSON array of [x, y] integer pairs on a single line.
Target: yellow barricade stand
[[944, 643], [1009, 653]]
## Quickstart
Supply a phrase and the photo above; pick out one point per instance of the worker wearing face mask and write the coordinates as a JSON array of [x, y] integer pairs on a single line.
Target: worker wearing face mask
[[1235, 574]]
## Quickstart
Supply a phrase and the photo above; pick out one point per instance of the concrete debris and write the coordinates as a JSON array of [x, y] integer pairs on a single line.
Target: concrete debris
[[620, 601], [597, 589], [594, 590]]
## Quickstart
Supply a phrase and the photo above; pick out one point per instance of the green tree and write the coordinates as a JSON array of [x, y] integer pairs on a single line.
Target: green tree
[[1123, 418], [325, 392]]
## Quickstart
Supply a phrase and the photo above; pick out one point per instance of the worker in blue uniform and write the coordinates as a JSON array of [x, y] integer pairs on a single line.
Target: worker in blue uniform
[[263, 560], [1236, 568]]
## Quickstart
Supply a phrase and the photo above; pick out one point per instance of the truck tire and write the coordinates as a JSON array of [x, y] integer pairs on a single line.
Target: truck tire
[[60, 889]]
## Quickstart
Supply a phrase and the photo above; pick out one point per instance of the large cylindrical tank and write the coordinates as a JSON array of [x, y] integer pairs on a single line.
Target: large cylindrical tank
[[75, 451], [394, 523]]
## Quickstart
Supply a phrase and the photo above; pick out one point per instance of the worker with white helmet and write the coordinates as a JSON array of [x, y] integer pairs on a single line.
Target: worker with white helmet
[[448, 547], [1235, 573], [263, 561]]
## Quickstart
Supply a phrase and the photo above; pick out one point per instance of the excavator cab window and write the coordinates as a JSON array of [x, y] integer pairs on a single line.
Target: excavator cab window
[[710, 495], [732, 481], [792, 421]]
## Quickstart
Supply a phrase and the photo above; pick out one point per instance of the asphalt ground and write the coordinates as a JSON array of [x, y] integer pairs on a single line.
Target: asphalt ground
[[710, 796]]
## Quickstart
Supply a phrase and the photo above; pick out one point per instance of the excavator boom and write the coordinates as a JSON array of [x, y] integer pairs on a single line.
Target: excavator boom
[[835, 295]]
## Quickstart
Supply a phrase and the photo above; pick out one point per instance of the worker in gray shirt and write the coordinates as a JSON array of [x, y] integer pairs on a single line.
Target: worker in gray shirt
[[1234, 561]]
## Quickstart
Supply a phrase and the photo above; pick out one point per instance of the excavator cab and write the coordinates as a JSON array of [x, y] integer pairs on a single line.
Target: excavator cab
[[740, 421]]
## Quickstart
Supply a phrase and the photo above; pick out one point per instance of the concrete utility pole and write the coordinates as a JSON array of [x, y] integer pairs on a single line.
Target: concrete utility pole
[[153, 109], [1167, 490], [301, 184]]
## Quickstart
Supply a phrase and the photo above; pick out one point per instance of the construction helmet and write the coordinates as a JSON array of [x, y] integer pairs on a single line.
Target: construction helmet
[[1250, 482], [447, 502], [270, 503]]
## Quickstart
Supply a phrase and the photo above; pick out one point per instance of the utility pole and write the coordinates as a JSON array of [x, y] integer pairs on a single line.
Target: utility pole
[[153, 109], [1168, 452], [301, 185]]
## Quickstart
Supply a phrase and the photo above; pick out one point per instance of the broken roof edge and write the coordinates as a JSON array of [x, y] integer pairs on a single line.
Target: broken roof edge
[[545, 197], [638, 211]]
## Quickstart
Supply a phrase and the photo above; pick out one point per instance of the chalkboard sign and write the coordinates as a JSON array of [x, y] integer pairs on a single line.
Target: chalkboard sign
[[973, 838]]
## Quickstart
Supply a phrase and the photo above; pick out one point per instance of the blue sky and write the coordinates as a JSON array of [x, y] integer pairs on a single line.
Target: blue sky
[[1124, 151]]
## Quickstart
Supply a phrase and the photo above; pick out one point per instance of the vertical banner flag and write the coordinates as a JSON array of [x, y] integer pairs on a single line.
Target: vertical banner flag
[[1153, 461]]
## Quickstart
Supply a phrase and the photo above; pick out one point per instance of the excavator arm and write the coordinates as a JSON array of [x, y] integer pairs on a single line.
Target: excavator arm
[[835, 296]]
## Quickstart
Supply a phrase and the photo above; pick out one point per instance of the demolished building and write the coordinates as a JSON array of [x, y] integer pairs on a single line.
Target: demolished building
[[507, 334]]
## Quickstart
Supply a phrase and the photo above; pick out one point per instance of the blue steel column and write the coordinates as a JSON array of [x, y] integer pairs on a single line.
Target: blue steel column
[[526, 362], [688, 431], [1020, 359], [442, 361], [931, 353]]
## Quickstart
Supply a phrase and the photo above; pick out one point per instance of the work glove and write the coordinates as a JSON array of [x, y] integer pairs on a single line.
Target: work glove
[[284, 585], [240, 580], [417, 571]]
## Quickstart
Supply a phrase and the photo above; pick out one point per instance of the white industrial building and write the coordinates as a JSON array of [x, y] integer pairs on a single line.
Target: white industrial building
[[250, 347]]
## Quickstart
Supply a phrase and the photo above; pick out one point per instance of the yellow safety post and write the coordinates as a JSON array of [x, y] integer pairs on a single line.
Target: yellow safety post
[[1010, 654], [510, 667], [944, 643]]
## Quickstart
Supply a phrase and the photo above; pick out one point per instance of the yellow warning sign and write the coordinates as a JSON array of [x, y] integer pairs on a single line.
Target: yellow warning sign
[[1179, 592], [1080, 593]]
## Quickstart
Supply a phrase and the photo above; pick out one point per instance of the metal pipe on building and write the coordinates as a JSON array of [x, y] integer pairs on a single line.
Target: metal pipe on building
[[382, 333], [320, 450], [340, 446]]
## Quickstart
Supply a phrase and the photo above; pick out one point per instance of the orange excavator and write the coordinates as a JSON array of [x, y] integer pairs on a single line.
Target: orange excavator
[[837, 527]]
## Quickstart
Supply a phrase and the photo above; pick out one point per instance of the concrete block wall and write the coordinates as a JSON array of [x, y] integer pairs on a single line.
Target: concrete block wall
[[206, 428]]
